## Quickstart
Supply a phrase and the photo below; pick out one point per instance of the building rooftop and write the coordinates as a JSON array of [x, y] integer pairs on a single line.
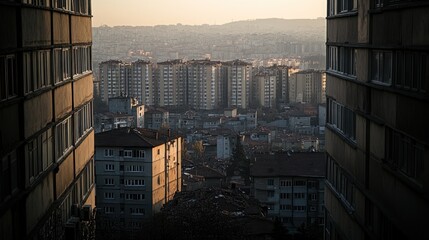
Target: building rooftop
[[293, 164], [130, 137]]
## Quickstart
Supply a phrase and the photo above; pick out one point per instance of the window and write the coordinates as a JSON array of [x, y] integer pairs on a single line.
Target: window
[[270, 182], [134, 196], [8, 81], [109, 167], [36, 70], [299, 208], [312, 184], [134, 168], [137, 211], [109, 195], [313, 196], [109, 181], [341, 6], [342, 59], [38, 155], [83, 121], [63, 138], [299, 195], [138, 153], [134, 182], [109, 210], [81, 60], [340, 181], [270, 193], [285, 183], [127, 153], [381, 67], [8, 175], [108, 152], [404, 154], [299, 183], [43, 3], [341, 118]]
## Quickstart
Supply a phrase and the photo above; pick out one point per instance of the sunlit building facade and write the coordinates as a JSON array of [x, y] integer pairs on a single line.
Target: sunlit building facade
[[46, 126]]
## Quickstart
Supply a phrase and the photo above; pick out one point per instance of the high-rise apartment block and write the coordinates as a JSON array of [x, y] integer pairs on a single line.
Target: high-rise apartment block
[[308, 86], [238, 83], [117, 78], [377, 127], [265, 90], [203, 84], [171, 83], [46, 125]]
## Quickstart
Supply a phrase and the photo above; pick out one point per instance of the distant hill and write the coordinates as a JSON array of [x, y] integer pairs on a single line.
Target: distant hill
[[275, 25]]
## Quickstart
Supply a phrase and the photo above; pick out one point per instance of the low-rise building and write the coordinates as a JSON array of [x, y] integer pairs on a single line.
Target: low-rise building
[[137, 171], [291, 185]]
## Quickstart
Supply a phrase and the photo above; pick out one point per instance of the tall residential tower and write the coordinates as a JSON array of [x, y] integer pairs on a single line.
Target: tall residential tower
[[377, 123], [46, 125]]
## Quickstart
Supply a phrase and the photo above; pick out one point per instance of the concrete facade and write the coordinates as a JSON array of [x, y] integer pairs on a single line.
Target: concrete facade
[[376, 139], [291, 186], [138, 170], [46, 125]]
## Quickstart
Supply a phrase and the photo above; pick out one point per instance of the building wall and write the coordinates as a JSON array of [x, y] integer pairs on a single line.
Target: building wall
[[160, 170], [294, 200], [46, 123], [380, 149]]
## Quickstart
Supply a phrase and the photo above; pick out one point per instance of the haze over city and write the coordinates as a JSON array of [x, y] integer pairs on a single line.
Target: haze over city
[[222, 119], [193, 12]]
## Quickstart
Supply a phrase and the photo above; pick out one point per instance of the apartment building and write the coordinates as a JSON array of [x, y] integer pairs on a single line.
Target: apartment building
[[291, 186], [141, 82], [376, 133], [308, 86], [265, 91], [46, 126], [156, 118], [238, 81], [111, 83], [203, 78], [172, 88], [137, 171], [135, 79]]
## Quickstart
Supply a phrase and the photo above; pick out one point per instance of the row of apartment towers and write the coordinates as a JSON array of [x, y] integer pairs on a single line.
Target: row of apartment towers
[[377, 141], [206, 84]]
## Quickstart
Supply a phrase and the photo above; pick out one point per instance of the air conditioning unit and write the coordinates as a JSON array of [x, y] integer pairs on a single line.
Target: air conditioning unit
[[75, 210], [86, 213]]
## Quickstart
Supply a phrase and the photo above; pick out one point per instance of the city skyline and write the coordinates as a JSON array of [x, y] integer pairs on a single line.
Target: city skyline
[[167, 12]]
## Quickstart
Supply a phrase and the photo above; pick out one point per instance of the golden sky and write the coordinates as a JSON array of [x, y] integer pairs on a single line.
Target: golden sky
[[197, 12]]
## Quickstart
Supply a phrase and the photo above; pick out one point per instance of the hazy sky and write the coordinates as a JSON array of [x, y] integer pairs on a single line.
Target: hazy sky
[[197, 12]]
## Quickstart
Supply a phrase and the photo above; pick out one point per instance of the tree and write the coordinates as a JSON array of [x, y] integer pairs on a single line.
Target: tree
[[198, 148], [239, 164]]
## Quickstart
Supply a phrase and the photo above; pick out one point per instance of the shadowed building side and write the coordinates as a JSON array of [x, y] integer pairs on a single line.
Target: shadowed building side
[[46, 125]]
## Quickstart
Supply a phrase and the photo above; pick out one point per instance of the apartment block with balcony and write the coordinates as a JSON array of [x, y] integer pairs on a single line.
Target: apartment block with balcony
[[377, 183], [46, 125]]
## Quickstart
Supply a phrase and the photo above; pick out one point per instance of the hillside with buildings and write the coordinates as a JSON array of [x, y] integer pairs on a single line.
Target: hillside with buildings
[[252, 39]]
